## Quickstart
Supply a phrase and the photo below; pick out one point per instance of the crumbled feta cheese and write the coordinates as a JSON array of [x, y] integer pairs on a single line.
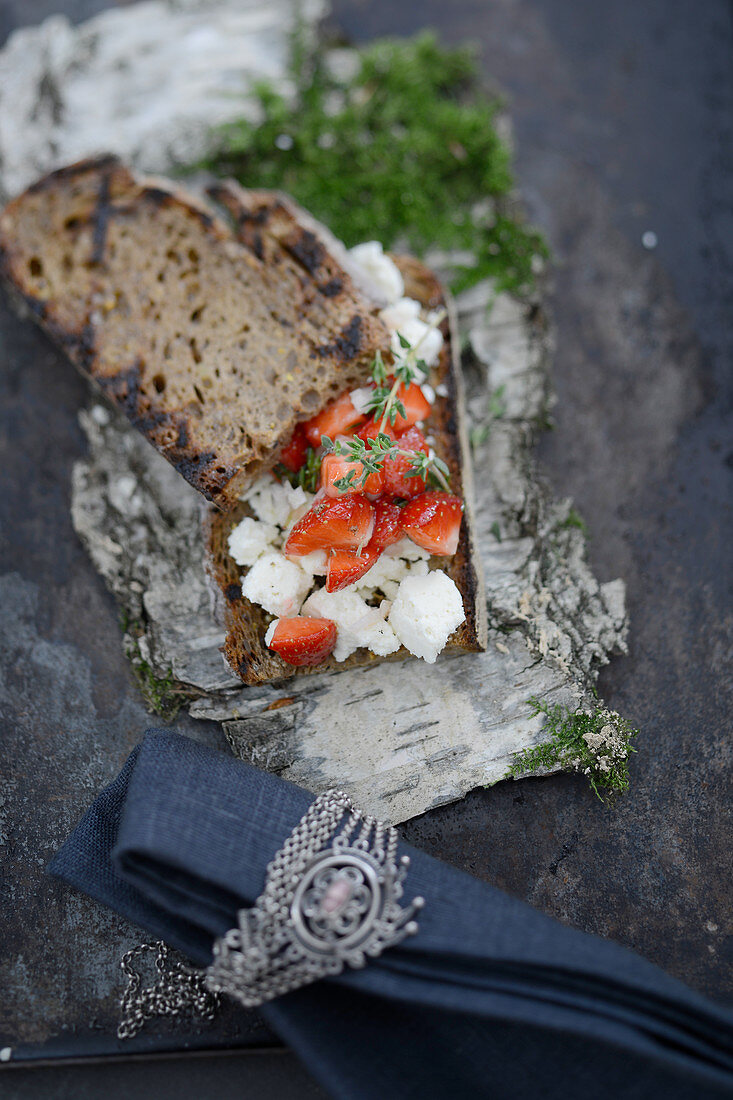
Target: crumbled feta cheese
[[406, 549], [401, 313], [277, 584], [274, 501], [357, 624], [249, 539], [427, 340], [270, 631], [100, 415], [384, 572], [315, 563], [386, 575], [441, 390], [428, 393], [425, 612], [361, 399], [380, 268]]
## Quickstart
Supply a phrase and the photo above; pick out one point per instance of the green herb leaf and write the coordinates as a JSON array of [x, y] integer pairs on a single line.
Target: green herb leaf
[[379, 371]]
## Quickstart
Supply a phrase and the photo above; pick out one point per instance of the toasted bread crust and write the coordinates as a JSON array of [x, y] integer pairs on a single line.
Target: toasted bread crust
[[212, 352], [246, 623]]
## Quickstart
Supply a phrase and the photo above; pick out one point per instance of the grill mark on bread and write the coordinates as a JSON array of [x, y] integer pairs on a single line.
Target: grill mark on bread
[[347, 344], [307, 250], [331, 288]]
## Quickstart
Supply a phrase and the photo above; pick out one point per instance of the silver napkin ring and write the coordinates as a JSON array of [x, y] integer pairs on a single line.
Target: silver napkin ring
[[330, 900]]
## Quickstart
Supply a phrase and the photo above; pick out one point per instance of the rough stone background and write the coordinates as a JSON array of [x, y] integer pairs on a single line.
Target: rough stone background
[[622, 118]]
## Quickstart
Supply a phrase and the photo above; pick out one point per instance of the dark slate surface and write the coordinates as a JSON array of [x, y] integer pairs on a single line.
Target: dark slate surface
[[622, 117]]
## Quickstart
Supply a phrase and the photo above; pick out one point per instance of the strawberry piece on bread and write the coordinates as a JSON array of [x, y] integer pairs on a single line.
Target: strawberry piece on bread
[[295, 452], [398, 482], [344, 522], [347, 566], [334, 467], [373, 428], [387, 524], [433, 521], [416, 406], [338, 418], [301, 641]]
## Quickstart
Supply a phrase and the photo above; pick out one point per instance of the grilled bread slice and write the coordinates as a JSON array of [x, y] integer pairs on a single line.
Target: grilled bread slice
[[213, 346], [246, 623]]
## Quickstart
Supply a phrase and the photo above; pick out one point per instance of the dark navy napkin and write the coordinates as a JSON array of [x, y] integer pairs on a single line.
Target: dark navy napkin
[[490, 998]]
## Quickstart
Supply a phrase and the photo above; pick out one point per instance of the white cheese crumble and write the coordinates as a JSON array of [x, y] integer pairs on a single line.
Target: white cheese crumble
[[249, 539], [270, 631], [361, 399], [387, 573], [315, 563], [370, 257], [425, 612], [401, 313], [357, 624], [274, 502], [277, 584], [407, 549], [422, 336], [428, 393]]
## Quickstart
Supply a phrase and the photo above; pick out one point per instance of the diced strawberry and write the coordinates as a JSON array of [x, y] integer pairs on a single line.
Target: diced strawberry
[[372, 428], [397, 480], [335, 467], [301, 641], [343, 522], [387, 524], [346, 566], [433, 520], [294, 453], [417, 407], [336, 419]]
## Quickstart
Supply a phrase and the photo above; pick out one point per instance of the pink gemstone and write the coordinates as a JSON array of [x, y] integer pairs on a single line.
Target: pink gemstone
[[336, 896]]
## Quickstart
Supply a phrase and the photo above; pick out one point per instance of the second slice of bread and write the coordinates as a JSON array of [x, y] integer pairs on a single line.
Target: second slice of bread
[[213, 351]]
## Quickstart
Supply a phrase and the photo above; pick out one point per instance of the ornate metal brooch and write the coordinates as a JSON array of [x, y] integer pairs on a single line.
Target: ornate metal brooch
[[331, 899]]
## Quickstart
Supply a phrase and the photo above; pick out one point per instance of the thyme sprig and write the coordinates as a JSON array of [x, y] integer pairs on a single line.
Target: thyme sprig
[[408, 367], [385, 406]]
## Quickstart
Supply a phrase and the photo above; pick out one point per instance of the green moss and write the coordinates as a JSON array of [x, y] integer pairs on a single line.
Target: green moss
[[162, 694], [406, 150], [596, 743], [574, 519]]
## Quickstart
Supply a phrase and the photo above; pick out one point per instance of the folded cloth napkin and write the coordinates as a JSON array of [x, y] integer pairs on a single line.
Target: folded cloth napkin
[[490, 998]]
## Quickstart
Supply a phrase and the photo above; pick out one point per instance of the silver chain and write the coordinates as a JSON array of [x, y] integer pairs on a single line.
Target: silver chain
[[330, 900], [178, 988]]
